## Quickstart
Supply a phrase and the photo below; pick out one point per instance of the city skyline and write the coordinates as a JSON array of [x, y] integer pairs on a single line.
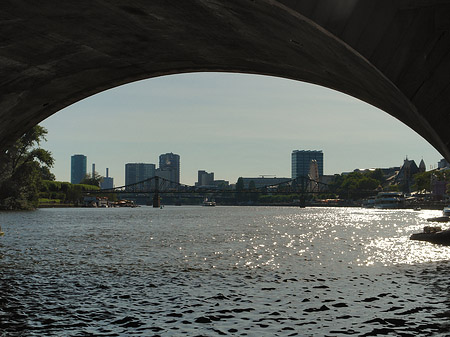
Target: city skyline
[[143, 171], [231, 124]]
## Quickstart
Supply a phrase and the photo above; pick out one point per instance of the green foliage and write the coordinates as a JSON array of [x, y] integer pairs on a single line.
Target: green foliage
[[46, 174], [94, 181], [357, 185], [22, 166], [66, 192], [423, 180]]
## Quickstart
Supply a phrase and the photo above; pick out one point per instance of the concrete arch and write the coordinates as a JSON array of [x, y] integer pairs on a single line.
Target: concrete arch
[[393, 54]]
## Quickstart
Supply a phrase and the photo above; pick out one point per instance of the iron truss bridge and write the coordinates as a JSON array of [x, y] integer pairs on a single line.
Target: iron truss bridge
[[159, 185]]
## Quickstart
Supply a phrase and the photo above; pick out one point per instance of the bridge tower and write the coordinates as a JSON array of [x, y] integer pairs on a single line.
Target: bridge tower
[[302, 183], [156, 198]]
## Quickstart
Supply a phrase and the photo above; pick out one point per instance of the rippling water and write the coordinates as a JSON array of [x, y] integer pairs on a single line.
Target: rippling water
[[213, 271]]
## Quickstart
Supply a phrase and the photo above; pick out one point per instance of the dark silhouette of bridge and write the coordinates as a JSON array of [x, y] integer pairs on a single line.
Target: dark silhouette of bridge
[[156, 186], [163, 185]]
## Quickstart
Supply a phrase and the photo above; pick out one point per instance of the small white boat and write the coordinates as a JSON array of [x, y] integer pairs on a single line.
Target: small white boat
[[207, 202]]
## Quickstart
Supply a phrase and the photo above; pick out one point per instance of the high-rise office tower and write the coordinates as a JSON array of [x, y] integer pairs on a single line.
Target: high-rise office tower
[[136, 172], [301, 160], [170, 162], [78, 166]]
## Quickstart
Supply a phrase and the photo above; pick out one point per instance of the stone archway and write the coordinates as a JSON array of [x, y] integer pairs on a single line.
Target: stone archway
[[393, 54]]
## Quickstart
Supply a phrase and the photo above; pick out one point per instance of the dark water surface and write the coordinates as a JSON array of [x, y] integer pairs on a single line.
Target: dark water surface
[[221, 271]]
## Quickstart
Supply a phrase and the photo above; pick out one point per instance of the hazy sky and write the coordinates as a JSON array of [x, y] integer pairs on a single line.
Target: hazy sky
[[231, 124]]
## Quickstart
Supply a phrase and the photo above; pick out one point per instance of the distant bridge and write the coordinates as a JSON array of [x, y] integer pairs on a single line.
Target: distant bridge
[[162, 185], [157, 185]]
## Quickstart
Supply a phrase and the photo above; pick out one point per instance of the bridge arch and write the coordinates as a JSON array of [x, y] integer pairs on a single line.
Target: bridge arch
[[392, 54]]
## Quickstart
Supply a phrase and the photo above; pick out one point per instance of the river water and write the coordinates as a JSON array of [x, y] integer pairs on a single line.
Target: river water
[[221, 271]]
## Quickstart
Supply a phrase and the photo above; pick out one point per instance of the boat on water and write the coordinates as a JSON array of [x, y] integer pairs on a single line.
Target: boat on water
[[389, 200], [446, 211], [207, 202], [368, 203]]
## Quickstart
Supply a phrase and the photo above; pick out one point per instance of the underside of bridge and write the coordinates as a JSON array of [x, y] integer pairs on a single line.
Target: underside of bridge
[[393, 54]]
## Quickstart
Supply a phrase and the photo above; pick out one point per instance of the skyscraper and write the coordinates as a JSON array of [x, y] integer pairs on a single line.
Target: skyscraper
[[301, 160], [170, 162], [78, 166], [135, 172]]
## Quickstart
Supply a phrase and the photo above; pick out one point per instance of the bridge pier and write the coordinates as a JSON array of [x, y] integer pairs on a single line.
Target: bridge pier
[[156, 200]]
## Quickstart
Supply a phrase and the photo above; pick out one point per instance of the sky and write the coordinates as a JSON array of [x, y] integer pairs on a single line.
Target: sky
[[235, 125]]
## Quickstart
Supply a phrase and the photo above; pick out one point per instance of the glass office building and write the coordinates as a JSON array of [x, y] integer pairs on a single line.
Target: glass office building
[[301, 160], [78, 168], [136, 172], [170, 162]]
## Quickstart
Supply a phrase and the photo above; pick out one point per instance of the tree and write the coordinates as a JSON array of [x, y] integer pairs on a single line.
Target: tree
[[94, 181], [252, 195], [239, 189], [46, 174], [356, 185], [22, 166]]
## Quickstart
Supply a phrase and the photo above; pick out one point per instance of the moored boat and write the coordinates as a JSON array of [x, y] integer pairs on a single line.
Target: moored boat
[[390, 200], [446, 211], [207, 202]]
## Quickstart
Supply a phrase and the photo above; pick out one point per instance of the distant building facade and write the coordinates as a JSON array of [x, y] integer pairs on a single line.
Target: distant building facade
[[263, 181], [78, 168], [405, 176], [224, 184], [170, 162], [301, 160], [164, 174], [107, 182], [205, 178], [135, 172]]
